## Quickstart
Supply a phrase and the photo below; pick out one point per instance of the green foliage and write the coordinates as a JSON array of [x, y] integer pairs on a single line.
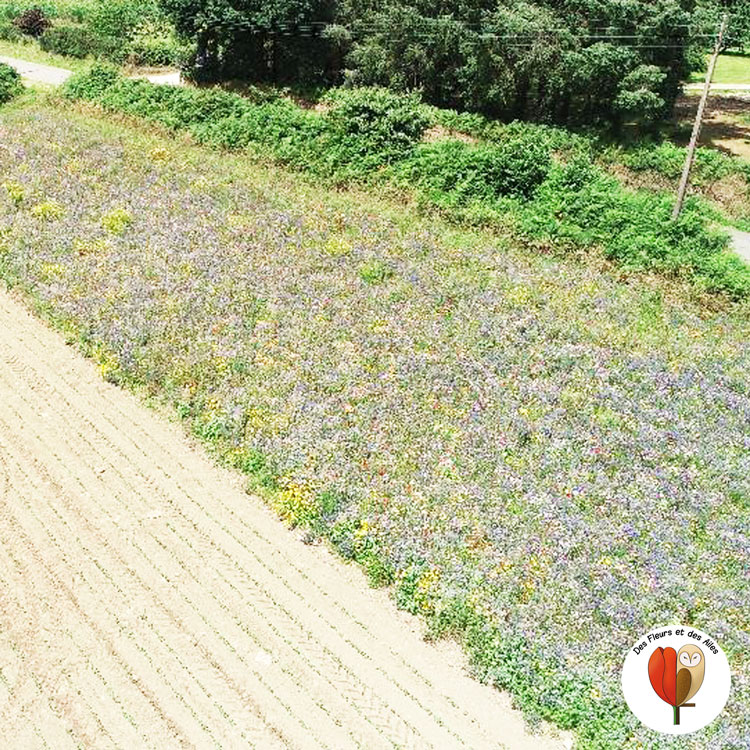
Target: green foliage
[[369, 122], [527, 60], [249, 39], [530, 59], [639, 97], [374, 134], [91, 83], [117, 30], [668, 159], [456, 173], [375, 272], [153, 43], [116, 221], [119, 18], [9, 32], [581, 204], [10, 83], [70, 39]]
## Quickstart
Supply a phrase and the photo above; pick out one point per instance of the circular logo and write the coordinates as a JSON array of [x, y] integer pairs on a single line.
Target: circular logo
[[676, 679]]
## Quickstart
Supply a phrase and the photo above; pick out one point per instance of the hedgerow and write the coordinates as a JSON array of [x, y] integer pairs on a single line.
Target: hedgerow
[[541, 180], [10, 83], [120, 31]]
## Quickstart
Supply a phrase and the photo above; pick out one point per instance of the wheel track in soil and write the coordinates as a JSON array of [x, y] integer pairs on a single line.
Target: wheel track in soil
[[147, 601]]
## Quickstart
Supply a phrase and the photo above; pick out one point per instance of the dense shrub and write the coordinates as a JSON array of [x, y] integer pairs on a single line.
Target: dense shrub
[[92, 83], [377, 119], [537, 60], [153, 43], [287, 132], [10, 83], [279, 43], [120, 31], [582, 204], [454, 172], [33, 22], [368, 128], [69, 39], [668, 159]]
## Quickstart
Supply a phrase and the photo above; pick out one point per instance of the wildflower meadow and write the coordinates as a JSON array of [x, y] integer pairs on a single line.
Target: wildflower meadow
[[542, 454]]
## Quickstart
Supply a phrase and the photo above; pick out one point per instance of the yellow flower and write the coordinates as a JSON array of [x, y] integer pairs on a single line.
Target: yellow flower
[[337, 246], [160, 154], [47, 211], [116, 221], [15, 191]]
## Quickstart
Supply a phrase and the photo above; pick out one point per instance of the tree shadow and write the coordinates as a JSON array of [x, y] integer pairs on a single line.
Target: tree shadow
[[726, 123]]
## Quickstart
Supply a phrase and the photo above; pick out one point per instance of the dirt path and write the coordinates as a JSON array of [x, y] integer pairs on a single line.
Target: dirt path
[[36, 72], [147, 601], [741, 243]]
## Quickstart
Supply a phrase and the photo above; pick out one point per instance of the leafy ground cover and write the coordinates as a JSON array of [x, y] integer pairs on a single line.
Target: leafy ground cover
[[134, 32], [10, 83], [543, 458], [510, 179]]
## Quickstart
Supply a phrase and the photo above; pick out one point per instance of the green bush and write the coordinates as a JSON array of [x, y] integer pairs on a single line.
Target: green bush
[[118, 19], [10, 83], [152, 44], [668, 159], [286, 131], [454, 172], [582, 204], [70, 39], [369, 122], [117, 30], [92, 83]]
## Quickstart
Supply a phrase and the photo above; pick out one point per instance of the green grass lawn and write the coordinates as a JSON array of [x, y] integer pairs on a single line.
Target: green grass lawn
[[542, 455], [30, 51], [730, 68]]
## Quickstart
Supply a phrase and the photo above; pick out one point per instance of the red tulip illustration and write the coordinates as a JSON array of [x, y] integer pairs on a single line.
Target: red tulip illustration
[[676, 676]]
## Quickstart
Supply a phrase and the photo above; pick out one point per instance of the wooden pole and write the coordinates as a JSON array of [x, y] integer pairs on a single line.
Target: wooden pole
[[698, 122]]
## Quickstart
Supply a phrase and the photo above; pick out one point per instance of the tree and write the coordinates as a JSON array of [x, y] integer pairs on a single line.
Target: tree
[[280, 41], [566, 61]]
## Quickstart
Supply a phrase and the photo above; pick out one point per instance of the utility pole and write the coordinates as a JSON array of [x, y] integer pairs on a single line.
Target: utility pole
[[698, 122]]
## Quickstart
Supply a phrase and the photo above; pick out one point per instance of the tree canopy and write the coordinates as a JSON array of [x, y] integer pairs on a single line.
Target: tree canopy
[[565, 61]]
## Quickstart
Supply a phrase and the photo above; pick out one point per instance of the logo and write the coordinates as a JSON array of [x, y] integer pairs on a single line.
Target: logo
[[676, 679]]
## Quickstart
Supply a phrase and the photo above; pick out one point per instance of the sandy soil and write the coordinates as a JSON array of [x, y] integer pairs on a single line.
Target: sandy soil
[[147, 601]]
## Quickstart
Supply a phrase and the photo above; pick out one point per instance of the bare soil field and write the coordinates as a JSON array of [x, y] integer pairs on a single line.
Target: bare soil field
[[149, 602]]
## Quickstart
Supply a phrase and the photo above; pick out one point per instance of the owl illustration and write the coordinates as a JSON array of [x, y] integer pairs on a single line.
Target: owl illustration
[[691, 667], [676, 676]]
